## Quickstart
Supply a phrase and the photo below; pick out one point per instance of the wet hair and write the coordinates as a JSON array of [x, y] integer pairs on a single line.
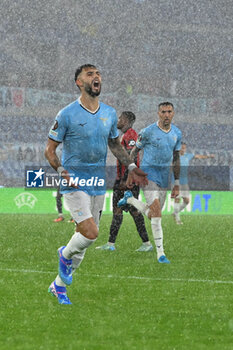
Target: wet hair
[[166, 104], [183, 143], [130, 116], [79, 70]]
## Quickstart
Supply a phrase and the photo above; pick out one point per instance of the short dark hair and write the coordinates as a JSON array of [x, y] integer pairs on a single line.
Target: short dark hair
[[130, 116], [183, 143], [79, 69], [166, 104]]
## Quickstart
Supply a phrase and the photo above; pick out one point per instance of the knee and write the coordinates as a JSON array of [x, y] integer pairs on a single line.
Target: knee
[[155, 210], [93, 234], [88, 228], [153, 214], [186, 200]]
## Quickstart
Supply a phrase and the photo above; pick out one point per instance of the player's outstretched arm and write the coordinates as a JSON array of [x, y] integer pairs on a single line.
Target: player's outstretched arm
[[176, 171], [136, 175], [202, 156], [51, 156]]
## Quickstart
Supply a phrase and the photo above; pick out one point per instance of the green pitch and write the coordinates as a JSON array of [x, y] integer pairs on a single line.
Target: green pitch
[[122, 300]]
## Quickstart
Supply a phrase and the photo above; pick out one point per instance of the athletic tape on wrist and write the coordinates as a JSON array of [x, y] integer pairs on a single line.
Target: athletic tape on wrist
[[60, 169], [132, 166]]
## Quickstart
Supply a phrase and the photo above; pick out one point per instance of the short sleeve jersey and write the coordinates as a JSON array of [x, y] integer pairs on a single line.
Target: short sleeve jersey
[[158, 147], [85, 143], [128, 141]]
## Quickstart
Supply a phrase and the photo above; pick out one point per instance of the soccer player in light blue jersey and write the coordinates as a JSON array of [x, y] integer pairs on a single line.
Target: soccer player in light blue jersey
[[161, 143], [86, 128], [185, 159]]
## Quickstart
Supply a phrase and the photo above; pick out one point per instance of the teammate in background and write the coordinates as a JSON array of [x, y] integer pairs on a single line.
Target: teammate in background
[[161, 143], [185, 159], [128, 140], [86, 128], [59, 208]]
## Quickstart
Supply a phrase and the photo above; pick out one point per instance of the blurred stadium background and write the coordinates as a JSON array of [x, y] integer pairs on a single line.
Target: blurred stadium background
[[148, 51]]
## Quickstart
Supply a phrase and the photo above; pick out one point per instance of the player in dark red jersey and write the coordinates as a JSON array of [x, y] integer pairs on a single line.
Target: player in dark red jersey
[[128, 141]]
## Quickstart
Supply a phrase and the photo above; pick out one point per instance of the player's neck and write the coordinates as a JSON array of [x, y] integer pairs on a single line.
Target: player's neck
[[164, 128], [125, 129], [89, 103]]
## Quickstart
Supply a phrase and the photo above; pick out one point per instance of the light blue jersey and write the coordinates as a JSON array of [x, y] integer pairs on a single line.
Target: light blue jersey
[[85, 143], [158, 147], [184, 164]]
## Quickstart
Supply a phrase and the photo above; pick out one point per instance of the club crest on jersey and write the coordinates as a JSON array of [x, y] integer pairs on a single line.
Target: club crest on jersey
[[104, 121], [132, 143]]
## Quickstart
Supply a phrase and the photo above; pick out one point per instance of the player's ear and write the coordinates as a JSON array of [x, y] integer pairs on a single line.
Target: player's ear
[[79, 83]]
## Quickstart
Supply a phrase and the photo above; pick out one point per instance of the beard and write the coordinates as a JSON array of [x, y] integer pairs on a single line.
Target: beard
[[92, 93]]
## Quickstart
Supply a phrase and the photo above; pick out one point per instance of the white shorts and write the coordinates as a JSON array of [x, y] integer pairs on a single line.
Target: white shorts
[[82, 206], [152, 191], [184, 191]]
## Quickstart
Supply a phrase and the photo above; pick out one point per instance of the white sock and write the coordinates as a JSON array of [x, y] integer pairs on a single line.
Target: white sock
[[179, 207], [59, 282], [158, 235], [76, 245], [77, 259], [176, 208], [142, 207], [183, 205]]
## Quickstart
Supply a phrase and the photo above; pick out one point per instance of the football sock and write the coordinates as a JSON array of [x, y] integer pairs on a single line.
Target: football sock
[[142, 207], [157, 232], [59, 204], [76, 245], [183, 205], [77, 259], [140, 224], [59, 282], [115, 226], [176, 208]]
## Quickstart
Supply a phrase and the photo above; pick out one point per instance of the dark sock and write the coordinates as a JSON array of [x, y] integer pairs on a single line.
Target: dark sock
[[115, 226], [140, 224]]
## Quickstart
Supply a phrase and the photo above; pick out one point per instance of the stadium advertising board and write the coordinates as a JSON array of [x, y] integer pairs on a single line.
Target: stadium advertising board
[[23, 201]]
